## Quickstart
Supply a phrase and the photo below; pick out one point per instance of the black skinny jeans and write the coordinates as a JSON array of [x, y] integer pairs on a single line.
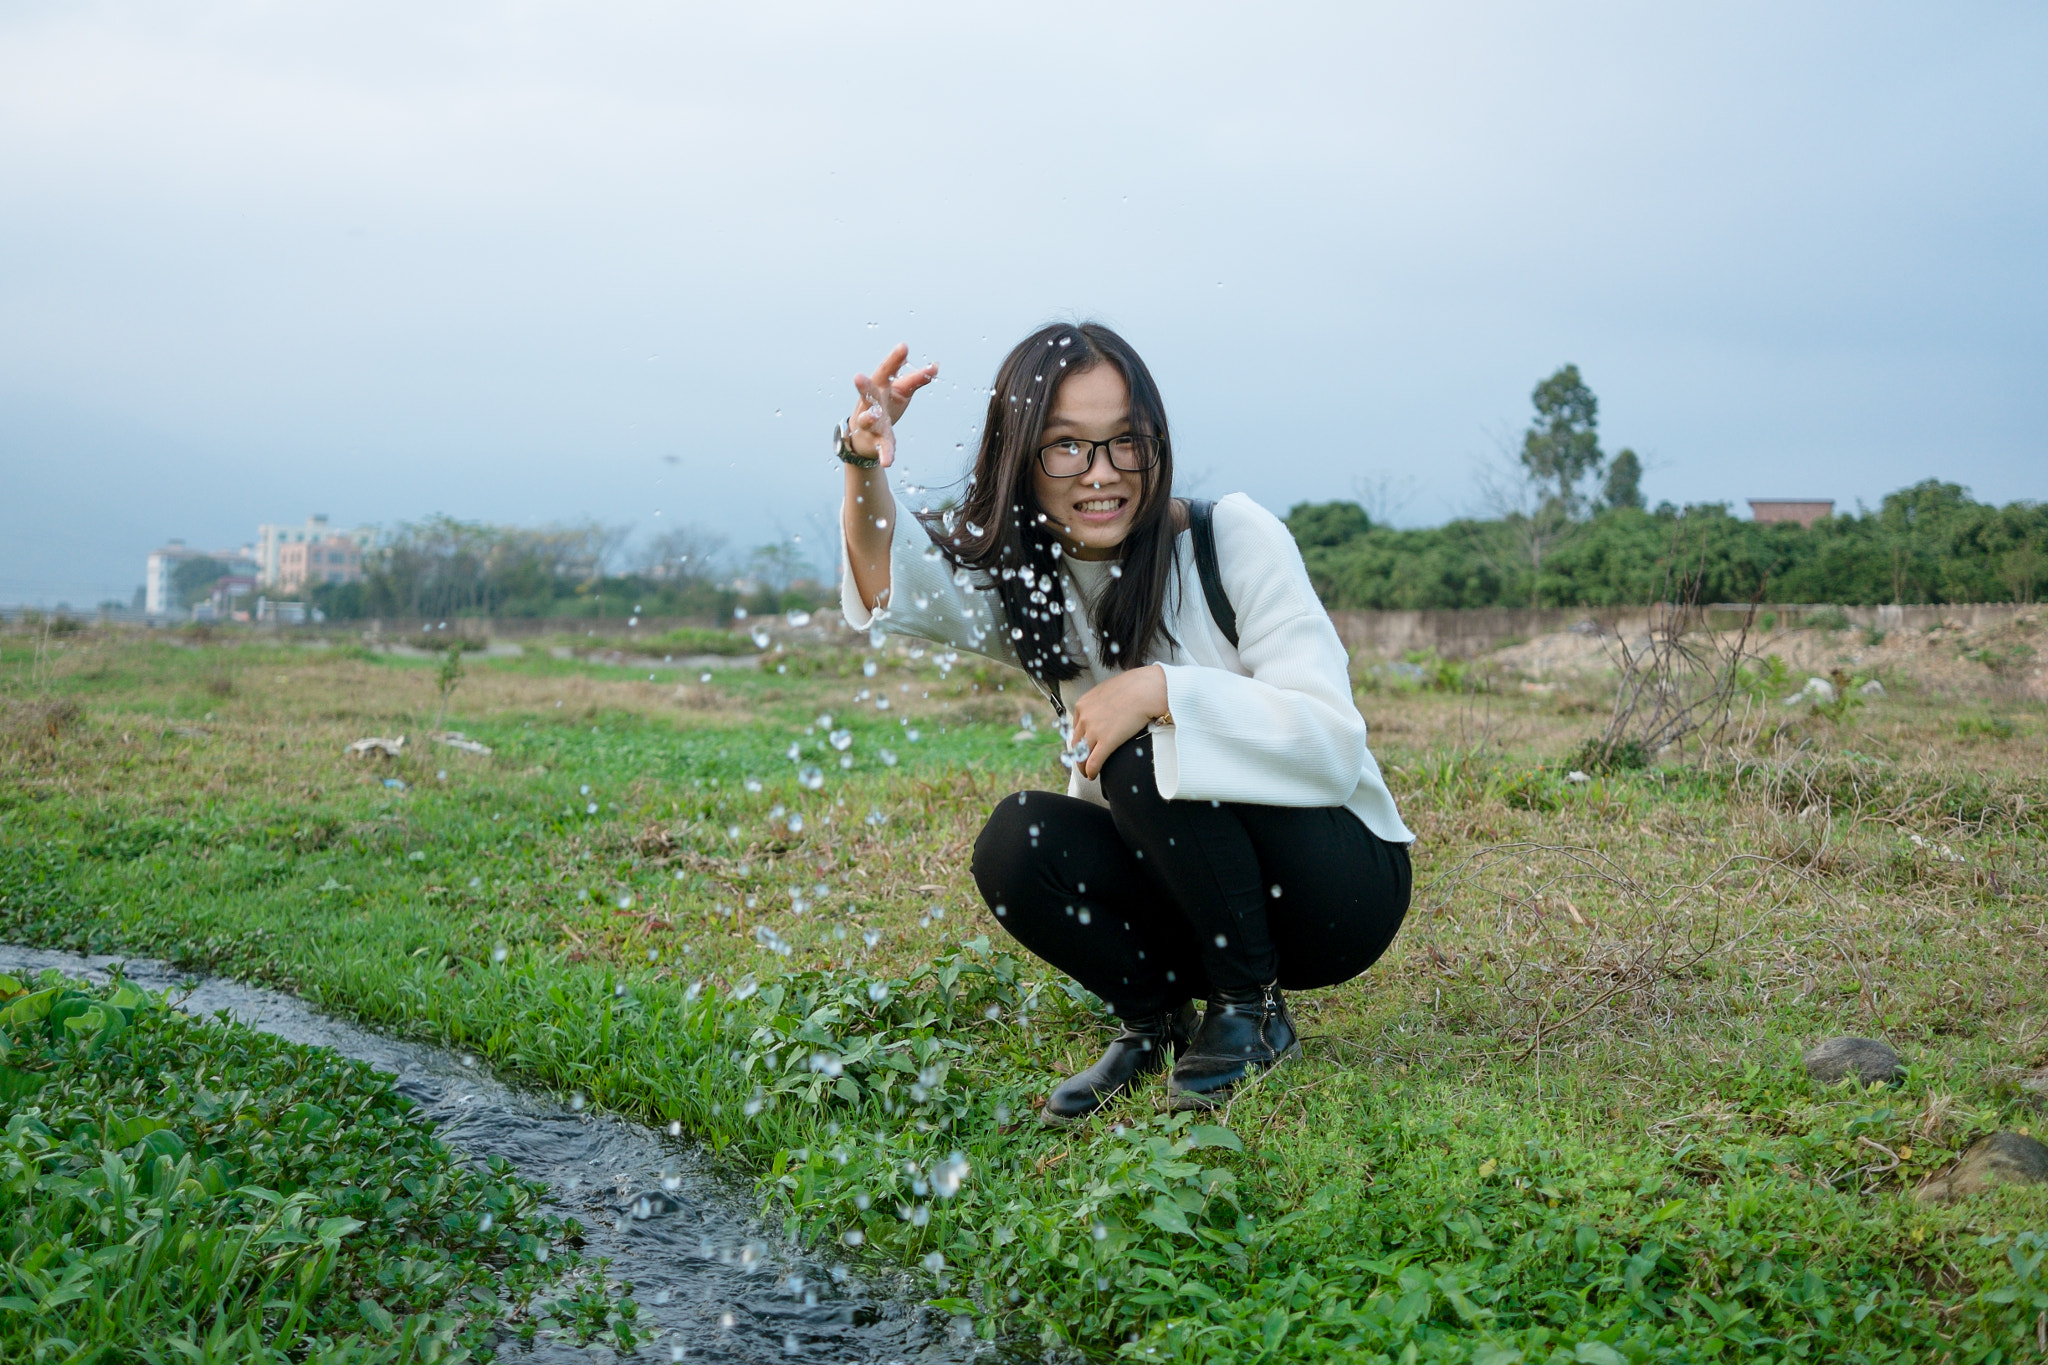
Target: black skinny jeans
[[1153, 902]]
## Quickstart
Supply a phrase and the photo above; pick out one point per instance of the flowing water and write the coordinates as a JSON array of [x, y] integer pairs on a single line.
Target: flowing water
[[710, 1282]]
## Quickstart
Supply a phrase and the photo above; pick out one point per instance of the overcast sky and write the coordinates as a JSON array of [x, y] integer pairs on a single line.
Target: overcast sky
[[499, 260]]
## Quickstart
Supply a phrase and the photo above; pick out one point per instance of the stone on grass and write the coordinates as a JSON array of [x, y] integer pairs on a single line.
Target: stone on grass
[[1873, 688], [1869, 1061], [2000, 1159]]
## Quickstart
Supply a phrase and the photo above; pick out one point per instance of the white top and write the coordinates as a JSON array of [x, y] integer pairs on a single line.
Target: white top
[[1271, 722]]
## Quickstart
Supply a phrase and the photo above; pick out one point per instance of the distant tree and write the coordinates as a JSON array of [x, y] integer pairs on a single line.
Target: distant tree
[[1624, 482], [193, 580], [1562, 446], [1327, 523], [2021, 569], [778, 564], [681, 554]]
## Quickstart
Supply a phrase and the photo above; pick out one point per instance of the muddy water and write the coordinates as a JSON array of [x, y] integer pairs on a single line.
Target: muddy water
[[709, 1281]]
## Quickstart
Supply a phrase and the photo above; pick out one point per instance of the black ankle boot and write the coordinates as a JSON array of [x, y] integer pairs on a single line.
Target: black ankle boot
[[1242, 1031], [1138, 1051]]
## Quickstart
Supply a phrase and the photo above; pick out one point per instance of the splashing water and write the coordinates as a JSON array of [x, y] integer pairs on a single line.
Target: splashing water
[[1073, 752], [947, 1175]]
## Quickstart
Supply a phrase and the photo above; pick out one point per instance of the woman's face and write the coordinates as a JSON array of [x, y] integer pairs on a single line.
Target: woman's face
[[1091, 513]]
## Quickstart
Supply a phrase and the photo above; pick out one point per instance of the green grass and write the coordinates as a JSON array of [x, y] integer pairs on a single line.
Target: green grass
[[1563, 1121], [179, 1190]]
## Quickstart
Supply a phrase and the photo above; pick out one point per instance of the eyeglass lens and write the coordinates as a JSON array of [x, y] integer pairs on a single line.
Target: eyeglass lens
[[1132, 454]]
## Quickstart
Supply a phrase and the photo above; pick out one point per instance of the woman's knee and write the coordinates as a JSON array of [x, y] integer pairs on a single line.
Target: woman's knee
[[1127, 775], [1002, 850]]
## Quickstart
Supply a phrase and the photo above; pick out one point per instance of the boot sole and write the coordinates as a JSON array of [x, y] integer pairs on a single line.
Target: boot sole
[[1181, 1101]]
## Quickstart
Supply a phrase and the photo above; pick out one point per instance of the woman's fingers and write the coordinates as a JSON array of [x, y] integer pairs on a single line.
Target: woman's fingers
[[873, 422], [892, 362], [906, 385]]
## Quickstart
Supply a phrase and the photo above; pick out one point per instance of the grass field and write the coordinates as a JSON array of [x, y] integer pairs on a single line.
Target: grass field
[[1563, 1120], [172, 1189]]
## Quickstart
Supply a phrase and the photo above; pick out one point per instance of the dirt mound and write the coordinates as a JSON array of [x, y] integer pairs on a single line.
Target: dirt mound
[[2006, 659]]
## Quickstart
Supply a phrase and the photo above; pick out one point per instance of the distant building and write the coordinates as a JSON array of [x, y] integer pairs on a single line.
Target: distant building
[[273, 537], [160, 594], [1805, 511], [302, 564]]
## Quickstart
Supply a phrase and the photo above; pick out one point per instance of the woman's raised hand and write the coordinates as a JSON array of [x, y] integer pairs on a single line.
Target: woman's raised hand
[[885, 395]]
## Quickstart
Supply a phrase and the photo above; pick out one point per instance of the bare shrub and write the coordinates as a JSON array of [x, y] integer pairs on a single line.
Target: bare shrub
[[1683, 680]]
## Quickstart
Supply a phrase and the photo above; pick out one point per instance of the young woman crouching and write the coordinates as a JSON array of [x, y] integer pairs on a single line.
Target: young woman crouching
[[1226, 834]]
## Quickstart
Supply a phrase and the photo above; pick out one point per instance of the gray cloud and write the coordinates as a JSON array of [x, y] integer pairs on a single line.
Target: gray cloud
[[377, 261]]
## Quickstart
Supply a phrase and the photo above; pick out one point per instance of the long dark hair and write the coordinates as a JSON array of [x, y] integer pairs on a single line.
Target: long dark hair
[[1000, 530]]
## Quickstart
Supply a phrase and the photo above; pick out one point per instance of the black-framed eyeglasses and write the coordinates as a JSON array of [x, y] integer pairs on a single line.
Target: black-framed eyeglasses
[[1074, 457]]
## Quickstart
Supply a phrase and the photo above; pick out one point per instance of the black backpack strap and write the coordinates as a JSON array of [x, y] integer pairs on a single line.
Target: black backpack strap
[[1202, 521]]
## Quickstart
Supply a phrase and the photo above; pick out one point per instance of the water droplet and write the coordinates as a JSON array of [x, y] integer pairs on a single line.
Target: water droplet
[[797, 619], [888, 758], [810, 776], [500, 953], [576, 1102], [842, 740], [1275, 890], [590, 809], [948, 1174], [877, 992], [796, 824]]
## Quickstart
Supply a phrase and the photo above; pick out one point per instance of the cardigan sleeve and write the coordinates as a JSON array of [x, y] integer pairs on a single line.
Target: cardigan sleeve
[[1289, 734], [928, 598]]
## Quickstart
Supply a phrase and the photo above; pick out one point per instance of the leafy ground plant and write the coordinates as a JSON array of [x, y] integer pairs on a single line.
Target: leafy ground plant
[[1563, 1121], [175, 1190]]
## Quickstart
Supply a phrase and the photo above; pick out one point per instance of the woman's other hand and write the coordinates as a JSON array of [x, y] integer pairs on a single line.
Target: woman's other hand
[[1110, 713], [885, 395]]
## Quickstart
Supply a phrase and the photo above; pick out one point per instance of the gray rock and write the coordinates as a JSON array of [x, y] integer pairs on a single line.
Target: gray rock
[[1869, 1061], [1873, 688], [2000, 1159]]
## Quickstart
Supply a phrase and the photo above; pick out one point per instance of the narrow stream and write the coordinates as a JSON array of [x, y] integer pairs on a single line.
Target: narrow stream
[[710, 1282]]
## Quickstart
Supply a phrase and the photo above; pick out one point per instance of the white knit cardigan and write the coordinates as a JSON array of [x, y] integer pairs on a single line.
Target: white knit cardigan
[[1271, 721]]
